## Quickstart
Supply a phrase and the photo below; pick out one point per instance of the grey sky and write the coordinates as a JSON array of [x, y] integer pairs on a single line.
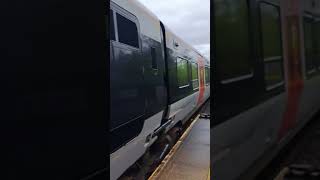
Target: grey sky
[[189, 19]]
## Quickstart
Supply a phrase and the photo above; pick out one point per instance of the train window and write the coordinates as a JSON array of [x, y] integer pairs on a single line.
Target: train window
[[207, 75], [232, 40], [127, 31], [182, 72], [194, 75], [273, 74], [111, 26], [308, 45], [272, 46], [317, 42]]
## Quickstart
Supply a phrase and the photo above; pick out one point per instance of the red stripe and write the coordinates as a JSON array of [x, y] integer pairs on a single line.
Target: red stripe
[[295, 81], [201, 88]]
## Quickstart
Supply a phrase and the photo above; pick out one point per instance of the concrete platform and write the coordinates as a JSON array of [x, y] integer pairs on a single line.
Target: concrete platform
[[190, 158]]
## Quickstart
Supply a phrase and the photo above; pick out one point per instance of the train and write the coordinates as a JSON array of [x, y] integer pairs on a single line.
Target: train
[[265, 81], [157, 82]]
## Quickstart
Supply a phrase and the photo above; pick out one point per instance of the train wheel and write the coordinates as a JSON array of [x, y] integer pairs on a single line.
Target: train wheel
[[175, 134]]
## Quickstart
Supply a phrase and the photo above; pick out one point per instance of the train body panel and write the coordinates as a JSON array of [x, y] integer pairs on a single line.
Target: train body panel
[[137, 90], [310, 99], [262, 119], [126, 156], [144, 84], [184, 95], [251, 133], [137, 70]]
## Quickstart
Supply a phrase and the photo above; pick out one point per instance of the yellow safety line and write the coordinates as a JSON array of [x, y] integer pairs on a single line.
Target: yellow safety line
[[208, 177], [169, 156]]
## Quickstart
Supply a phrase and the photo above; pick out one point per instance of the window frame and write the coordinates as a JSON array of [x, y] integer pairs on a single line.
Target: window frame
[[271, 59], [207, 69], [118, 10], [188, 70], [308, 17], [192, 80], [317, 23]]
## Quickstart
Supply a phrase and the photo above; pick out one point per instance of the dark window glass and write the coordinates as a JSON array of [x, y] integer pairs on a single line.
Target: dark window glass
[[207, 75], [111, 26], [271, 44], [194, 75], [127, 31], [271, 32], [273, 73], [317, 42], [232, 38], [308, 45], [182, 73]]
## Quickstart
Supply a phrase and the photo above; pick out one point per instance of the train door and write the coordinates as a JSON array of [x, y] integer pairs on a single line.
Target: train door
[[127, 104], [165, 74]]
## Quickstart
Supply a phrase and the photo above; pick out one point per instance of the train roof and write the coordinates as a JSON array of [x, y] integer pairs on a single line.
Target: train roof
[[185, 43]]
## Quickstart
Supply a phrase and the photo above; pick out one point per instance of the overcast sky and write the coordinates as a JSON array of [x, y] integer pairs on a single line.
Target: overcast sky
[[189, 19]]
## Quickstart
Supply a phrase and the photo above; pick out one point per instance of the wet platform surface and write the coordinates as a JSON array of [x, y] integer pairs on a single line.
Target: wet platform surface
[[191, 160]]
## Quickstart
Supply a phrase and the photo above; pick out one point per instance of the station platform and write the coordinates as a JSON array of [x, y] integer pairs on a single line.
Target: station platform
[[189, 159]]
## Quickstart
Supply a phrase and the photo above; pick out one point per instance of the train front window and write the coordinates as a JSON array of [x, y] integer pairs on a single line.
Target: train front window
[[182, 73], [111, 26], [127, 31], [194, 74], [271, 45]]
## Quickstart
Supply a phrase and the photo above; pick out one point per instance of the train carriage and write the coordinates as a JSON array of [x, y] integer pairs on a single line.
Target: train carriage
[[266, 83], [156, 82]]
